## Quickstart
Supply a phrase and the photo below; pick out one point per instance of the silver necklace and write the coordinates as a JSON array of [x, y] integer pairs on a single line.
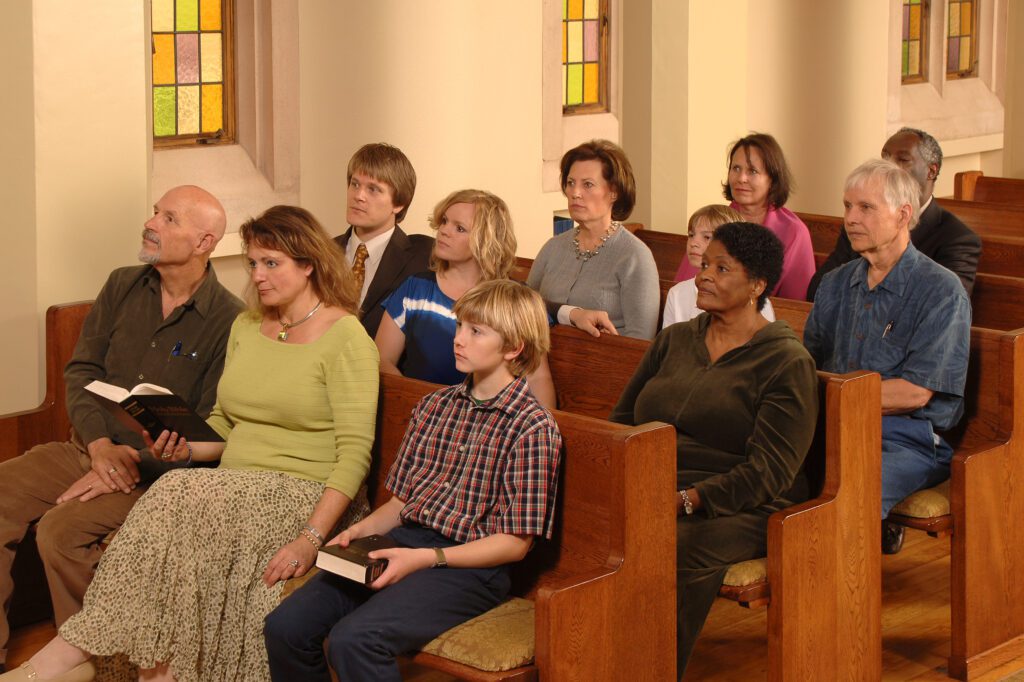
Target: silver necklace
[[585, 255], [287, 326]]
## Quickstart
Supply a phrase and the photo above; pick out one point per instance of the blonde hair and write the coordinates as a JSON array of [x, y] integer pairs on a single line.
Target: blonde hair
[[492, 241], [715, 215], [516, 312], [295, 232]]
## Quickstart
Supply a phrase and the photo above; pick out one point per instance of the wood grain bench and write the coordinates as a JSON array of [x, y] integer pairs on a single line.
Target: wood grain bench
[[821, 579], [976, 186], [612, 554]]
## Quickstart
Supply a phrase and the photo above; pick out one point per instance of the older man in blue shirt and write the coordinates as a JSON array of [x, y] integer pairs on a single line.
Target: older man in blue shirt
[[896, 312]]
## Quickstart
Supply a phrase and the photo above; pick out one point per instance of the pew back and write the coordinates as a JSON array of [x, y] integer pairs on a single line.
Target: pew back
[[976, 186]]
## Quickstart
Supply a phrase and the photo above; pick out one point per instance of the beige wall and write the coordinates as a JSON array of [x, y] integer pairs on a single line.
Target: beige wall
[[1013, 154], [461, 99]]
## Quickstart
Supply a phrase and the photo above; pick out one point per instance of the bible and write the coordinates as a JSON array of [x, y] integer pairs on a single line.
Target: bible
[[352, 562], [152, 409]]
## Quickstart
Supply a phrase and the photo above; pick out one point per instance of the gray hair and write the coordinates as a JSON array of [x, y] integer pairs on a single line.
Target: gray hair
[[928, 146], [898, 187]]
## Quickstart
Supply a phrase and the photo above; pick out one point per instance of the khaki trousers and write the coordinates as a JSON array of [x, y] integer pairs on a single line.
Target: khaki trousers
[[68, 535]]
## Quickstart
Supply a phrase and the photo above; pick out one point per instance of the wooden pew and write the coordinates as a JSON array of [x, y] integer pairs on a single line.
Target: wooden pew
[[976, 186], [988, 219], [612, 557], [824, 563], [612, 554], [987, 549]]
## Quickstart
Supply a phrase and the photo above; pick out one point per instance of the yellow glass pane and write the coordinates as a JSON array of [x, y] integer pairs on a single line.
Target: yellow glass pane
[[915, 22], [575, 41], [565, 49], [187, 15], [965, 18], [565, 91], [575, 9], [591, 84], [163, 59], [213, 108], [163, 15], [965, 53], [954, 19], [209, 15], [914, 57], [590, 9], [211, 57], [188, 110]]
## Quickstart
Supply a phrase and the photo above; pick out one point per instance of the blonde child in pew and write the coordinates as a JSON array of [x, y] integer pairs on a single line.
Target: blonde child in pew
[[681, 302]]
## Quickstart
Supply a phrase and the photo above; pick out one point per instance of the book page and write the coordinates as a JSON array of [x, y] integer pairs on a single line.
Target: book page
[[108, 391], [150, 389]]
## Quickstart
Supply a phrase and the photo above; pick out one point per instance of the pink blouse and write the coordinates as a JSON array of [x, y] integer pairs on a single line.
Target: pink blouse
[[797, 256]]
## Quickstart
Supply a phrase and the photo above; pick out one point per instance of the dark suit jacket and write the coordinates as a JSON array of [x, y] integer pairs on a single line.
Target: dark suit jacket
[[939, 235], [405, 254]]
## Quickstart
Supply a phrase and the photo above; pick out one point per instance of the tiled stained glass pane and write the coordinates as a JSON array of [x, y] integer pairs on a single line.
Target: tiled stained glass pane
[[961, 38], [188, 67], [914, 39], [582, 59]]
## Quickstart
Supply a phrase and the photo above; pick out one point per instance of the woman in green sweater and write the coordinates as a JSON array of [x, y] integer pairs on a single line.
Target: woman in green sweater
[[742, 394], [185, 585]]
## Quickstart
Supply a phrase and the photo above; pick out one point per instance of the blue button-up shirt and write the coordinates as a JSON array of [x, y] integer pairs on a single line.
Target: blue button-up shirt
[[914, 325]]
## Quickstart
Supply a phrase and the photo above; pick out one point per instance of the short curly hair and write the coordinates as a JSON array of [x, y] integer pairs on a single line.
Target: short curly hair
[[757, 249]]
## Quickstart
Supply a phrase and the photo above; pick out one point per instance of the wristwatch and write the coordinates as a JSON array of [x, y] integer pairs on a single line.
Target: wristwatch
[[687, 504], [440, 561]]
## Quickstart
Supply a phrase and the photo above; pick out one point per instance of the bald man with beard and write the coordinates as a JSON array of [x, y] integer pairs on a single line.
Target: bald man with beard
[[166, 323]]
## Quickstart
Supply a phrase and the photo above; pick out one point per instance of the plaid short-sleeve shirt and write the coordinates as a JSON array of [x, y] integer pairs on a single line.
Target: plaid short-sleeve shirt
[[469, 471]]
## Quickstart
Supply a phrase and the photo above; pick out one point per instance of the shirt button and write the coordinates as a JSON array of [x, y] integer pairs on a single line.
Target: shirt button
[[446, 484], [141, 377], [462, 448], [152, 344], [860, 337]]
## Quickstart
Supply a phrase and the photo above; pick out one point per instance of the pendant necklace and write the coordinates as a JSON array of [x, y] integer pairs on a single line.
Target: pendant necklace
[[286, 326]]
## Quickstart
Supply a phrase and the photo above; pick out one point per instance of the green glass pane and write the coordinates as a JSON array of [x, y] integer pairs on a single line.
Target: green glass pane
[[163, 112], [574, 41], [163, 15], [565, 90], [565, 9], [211, 57], [574, 85], [187, 15], [906, 59]]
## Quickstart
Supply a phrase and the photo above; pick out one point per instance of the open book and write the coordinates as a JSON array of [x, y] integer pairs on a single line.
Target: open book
[[153, 409], [352, 562]]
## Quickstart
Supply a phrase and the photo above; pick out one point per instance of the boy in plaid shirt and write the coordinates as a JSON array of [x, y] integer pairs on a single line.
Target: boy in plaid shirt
[[473, 483]]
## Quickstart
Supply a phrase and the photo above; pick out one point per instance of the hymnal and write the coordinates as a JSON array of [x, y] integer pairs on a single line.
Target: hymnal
[[352, 562], [153, 409]]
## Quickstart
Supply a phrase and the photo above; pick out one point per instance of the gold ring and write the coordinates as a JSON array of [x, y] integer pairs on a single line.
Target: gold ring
[[112, 470]]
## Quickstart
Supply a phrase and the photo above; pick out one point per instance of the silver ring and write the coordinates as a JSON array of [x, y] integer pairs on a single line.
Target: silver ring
[[294, 563], [112, 470]]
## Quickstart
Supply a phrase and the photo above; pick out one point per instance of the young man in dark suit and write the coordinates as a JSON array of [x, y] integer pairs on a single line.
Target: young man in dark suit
[[381, 184]]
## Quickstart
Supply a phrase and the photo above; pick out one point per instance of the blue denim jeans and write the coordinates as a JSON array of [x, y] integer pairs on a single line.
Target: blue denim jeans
[[914, 457]]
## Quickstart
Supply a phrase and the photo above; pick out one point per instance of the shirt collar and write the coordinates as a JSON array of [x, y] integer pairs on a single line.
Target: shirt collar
[[201, 299], [897, 280], [507, 400], [374, 247]]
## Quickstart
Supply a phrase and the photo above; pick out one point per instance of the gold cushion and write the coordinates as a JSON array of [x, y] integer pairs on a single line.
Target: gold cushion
[[501, 639], [746, 572], [924, 504]]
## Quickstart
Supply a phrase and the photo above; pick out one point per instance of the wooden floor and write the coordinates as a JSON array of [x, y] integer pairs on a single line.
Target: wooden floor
[[915, 627]]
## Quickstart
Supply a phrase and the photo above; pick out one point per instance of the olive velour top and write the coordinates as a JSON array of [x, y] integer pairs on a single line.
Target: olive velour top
[[307, 410], [743, 423]]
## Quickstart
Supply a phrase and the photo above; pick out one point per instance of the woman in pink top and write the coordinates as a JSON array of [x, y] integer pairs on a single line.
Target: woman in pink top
[[758, 187]]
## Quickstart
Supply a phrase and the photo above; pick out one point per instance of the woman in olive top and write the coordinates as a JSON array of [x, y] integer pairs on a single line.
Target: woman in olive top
[[186, 583], [742, 395]]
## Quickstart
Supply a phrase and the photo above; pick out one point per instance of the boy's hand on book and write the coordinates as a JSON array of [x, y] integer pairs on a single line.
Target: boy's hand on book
[[402, 561], [291, 561], [116, 465], [85, 489], [346, 536]]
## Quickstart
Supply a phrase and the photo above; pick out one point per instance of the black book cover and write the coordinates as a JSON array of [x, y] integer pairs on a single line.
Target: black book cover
[[352, 562], [153, 409]]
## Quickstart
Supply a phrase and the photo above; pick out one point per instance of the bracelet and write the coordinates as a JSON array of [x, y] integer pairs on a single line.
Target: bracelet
[[687, 504], [312, 540], [189, 446], [315, 533]]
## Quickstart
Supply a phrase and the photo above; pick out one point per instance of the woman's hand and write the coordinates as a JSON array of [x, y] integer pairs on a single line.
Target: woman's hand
[[291, 561], [169, 446], [401, 562], [594, 322]]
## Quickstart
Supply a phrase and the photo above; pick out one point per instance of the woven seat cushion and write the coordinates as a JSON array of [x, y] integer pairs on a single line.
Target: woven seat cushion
[[501, 639], [924, 504], [746, 573]]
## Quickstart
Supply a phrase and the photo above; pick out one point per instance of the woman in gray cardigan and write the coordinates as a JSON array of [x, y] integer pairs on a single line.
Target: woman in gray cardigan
[[598, 276]]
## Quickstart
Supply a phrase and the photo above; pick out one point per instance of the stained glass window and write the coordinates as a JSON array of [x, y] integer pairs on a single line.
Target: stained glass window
[[962, 39], [192, 66], [915, 40], [584, 56]]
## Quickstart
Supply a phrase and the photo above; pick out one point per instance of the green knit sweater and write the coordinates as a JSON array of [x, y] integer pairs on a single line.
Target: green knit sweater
[[307, 410]]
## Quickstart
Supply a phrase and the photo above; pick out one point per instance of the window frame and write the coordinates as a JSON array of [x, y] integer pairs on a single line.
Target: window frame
[[971, 72], [602, 105], [925, 57], [228, 133]]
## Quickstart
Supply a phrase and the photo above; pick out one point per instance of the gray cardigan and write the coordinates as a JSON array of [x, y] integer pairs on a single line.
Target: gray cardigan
[[621, 280]]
